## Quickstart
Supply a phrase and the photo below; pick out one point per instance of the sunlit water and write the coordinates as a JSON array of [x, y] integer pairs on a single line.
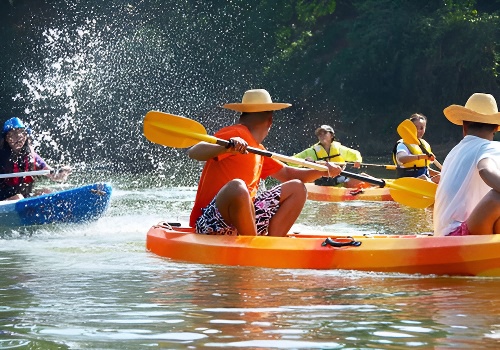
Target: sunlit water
[[94, 286]]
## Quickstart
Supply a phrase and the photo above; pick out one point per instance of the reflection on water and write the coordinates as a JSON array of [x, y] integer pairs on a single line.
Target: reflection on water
[[365, 217], [95, 286]]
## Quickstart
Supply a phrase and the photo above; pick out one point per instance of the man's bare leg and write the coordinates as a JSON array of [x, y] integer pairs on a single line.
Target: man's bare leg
[[236, 207], [484, 219], [292, 199]]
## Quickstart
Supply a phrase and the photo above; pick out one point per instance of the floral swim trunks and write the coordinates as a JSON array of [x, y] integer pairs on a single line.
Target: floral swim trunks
[[266, 205], [462, 230]]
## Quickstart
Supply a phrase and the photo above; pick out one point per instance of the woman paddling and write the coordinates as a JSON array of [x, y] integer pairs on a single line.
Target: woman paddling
[[17, 155], [411, 159]]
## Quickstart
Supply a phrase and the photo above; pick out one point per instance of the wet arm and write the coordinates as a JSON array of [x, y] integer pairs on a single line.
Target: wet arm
[[60, 174], [350, 155], [204, 151], [490, 173], [407, 158], [305, 175]]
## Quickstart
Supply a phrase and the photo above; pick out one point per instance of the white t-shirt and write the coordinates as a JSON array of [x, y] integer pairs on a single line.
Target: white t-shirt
[[461, 188], [401, 148]]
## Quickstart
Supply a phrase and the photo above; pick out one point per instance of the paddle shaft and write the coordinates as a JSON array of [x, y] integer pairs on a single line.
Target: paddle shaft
[[388, 167], [25, 173], [427, 153], [379, 182], [180, 132], [303, 162]]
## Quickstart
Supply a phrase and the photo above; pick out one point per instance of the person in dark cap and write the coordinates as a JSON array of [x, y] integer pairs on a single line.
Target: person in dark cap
[[330, 150]]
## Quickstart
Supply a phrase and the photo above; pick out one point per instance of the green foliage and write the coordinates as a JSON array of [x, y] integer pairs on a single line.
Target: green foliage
[[360, 65], [381, 60], [299, 18]]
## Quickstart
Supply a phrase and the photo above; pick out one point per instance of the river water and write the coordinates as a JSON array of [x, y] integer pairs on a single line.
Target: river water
[[94, 286], [86, 75]]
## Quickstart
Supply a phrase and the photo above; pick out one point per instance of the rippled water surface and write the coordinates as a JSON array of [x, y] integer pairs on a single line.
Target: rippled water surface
[[94, 286]]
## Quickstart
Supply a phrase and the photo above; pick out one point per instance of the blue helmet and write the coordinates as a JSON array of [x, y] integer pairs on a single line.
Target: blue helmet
[[14, 123]]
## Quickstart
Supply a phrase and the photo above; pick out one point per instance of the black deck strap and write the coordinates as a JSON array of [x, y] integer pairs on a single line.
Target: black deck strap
[[331, 242], [356, 191], [168, 225]]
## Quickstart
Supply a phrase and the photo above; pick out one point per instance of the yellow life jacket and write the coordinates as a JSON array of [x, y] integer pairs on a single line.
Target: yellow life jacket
[[416, 150], [334, 155]]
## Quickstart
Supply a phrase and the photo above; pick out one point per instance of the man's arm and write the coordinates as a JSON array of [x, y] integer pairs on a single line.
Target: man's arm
[[203, 151], [490, 173], [306, 175], [350, 155]]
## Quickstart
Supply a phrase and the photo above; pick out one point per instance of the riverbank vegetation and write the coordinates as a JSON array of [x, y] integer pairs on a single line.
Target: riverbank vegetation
[[361, 66]]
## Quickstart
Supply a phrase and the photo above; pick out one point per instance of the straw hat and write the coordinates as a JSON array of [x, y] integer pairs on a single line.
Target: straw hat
[[480, 108], [257, 100]]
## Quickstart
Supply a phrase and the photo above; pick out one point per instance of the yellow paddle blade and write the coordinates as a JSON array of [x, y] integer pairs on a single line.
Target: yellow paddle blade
[[174, 131], [180, 132], [408, 132], [413, 192], [410, 199]]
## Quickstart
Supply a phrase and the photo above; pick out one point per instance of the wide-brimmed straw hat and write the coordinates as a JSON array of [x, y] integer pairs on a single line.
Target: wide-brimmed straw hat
[[480, 108], [257, 100]]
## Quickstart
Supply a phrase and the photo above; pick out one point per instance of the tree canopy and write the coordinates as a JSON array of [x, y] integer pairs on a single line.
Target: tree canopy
[[85, 73]]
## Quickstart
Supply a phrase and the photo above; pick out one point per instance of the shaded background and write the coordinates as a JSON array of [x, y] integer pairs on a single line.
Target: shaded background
[[84, 73]]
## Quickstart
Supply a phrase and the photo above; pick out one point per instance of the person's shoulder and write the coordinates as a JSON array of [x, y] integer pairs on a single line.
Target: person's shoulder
[[401, 145], [492, 145], [483, 148], [233, 128]]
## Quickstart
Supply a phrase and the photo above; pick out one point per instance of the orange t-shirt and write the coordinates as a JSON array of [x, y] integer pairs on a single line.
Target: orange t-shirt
[[218, 171]]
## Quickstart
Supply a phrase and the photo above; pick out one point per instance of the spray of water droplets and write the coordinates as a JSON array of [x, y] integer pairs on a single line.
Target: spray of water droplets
[[100, 66]]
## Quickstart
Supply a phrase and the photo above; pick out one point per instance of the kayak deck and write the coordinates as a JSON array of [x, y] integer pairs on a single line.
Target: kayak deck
[[80, 204], [341, 194], [464, 256]]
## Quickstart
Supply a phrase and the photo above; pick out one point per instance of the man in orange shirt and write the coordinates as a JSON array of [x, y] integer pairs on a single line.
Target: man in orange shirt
[[227, 202]]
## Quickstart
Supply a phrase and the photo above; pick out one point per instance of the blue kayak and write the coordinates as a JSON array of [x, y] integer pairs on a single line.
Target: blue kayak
[[75, 205]]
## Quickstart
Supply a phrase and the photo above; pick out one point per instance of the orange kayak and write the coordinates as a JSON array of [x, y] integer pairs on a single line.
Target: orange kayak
[[461, 256], [340, 194]]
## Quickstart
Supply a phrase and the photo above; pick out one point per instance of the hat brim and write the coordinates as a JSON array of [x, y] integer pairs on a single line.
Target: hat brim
[[6, 131], [457, 114], [318, 130], [256, 107]]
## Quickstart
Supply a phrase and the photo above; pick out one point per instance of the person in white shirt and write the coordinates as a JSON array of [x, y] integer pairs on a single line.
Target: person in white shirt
[[468, 195], [410, 159]]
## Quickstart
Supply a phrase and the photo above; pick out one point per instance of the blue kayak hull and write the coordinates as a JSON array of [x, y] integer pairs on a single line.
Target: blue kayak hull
[[81, 204]]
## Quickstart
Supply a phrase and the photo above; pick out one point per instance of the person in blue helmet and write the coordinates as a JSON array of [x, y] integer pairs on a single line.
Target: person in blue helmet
[[17, 155]]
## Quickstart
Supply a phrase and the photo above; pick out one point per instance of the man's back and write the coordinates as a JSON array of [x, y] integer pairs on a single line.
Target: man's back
[[461, 187]]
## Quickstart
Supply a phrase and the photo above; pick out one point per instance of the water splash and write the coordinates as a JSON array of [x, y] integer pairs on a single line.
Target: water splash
[[95, 69]]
